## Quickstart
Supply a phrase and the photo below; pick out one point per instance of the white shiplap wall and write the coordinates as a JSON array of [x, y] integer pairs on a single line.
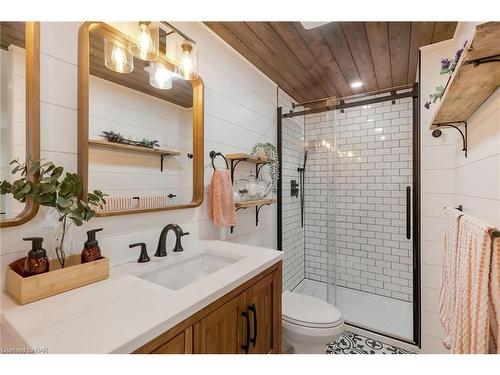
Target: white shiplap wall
[[449, 179], [240, 110]]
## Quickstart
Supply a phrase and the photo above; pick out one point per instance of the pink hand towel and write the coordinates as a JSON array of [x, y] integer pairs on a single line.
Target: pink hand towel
[[221, 200]]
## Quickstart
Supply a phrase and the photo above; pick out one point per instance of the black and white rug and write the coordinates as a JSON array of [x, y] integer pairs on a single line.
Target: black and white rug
[[352, 343]]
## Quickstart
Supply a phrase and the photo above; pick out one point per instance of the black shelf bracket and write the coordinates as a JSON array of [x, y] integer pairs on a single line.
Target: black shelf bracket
[[239, 208], [257, 210], [162, 156], [234, 163], [436, 133]]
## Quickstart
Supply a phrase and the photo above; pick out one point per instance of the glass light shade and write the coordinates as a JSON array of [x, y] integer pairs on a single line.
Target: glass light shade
[[188, 60], [117, 58], [145, 40], [159, 76]]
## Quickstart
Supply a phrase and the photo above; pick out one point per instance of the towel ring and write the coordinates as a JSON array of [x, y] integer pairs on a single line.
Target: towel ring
[[214, 154]]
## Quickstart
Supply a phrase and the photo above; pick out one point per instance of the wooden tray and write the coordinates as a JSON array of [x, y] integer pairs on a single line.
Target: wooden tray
[[58, 280]]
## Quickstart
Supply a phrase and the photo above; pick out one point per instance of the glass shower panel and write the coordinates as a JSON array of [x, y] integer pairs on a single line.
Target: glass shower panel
[[370, 275]]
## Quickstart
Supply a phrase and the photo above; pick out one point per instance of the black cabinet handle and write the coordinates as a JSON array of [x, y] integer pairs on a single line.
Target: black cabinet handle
[[253, 309], [246, 347], [408, 212]]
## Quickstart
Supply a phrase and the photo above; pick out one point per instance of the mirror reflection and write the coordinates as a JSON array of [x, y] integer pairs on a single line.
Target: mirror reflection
[[13, 109], [140, 121]]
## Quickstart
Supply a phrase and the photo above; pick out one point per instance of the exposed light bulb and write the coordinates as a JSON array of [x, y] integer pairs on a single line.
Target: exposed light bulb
[[144, 41], [118, 58], [163, 77], [186, 60]]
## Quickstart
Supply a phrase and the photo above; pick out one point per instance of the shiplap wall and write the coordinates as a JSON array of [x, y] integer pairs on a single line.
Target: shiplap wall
[[450, 179], [138, 115], [240, 110]]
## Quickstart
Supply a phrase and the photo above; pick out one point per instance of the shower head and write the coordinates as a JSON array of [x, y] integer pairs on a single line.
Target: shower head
[[305, 159]]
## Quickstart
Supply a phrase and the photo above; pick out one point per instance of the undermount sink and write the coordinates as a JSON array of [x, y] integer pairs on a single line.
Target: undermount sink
[[185, 272]]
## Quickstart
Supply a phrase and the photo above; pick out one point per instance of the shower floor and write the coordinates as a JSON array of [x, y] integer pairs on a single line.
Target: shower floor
[[383, 315]]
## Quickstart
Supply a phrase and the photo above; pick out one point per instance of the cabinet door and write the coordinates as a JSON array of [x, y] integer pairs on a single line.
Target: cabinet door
[[180, 344], [263, 301], [223, 331]]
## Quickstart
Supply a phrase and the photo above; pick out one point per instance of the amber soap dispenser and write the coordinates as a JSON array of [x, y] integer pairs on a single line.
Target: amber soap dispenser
[[91, 250], [36, 261]]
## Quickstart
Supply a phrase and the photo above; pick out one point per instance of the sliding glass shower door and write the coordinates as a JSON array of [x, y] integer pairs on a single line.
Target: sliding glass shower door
[[370, 233]]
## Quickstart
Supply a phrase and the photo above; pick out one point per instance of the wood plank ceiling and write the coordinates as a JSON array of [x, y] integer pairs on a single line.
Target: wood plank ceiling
[[324, 61]]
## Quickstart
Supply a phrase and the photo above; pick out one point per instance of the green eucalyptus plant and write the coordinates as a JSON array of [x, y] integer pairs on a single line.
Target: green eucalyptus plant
[[52, 189], [272, 156]]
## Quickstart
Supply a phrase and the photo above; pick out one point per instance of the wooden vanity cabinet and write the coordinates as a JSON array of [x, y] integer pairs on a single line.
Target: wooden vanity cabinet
[[246, 320]]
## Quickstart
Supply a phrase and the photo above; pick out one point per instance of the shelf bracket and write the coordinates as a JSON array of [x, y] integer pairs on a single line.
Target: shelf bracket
[[239, 208], [436, 133], [257, 210], [162, 157], [234, 163]]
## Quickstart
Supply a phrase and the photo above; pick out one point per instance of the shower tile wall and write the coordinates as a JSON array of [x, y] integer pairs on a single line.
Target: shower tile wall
[[293, 233], [372, 153]]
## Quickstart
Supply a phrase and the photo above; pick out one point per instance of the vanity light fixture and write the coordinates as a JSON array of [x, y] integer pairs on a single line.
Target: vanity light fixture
[[117, 58], [146, 41], [159, 76]]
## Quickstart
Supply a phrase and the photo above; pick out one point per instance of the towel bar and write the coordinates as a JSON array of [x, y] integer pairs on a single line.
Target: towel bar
[[494, 233]]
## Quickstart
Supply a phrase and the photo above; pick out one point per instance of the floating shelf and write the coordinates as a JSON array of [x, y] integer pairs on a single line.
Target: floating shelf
[[475, 78], [260, 202], [137, 149]]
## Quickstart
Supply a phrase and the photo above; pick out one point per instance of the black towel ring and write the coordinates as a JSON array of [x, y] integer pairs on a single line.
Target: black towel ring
[[213, 155]]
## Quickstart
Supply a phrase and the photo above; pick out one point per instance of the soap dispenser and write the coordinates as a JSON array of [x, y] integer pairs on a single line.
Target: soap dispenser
[[91, 250], [36, 261]]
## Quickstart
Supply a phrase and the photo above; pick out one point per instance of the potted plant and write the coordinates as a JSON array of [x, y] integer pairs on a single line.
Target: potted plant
[[272, 156], [51, 189]]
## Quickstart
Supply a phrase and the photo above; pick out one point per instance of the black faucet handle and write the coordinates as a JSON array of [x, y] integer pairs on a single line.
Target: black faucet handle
[[143, 257], [184, 234]]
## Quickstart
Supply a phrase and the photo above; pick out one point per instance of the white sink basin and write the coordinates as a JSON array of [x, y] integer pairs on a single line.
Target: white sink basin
[[184, 272]]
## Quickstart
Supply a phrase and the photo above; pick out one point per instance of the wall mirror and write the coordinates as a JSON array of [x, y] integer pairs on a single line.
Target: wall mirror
[[140, 117], [20, 111]]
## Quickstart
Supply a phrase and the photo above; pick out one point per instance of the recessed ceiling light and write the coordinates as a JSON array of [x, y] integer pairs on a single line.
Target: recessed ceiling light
[[313, 25], [356, 84]]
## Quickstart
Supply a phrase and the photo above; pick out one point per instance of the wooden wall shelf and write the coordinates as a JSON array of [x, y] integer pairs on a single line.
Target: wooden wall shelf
[[475, 78], [260, 202], [247, 157], [131, 148], [137, 149]]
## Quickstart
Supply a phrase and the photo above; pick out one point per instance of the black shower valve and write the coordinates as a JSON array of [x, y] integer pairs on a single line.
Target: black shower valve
[[294, 188]]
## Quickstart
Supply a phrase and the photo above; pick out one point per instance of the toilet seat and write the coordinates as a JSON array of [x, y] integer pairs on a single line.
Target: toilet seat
[[309, 312]]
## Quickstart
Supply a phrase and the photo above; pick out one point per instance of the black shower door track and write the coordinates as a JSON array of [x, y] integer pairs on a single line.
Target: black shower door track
[[415, 95]]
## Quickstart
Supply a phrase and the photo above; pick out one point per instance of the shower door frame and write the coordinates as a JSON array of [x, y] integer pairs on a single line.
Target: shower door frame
[[416, 178]]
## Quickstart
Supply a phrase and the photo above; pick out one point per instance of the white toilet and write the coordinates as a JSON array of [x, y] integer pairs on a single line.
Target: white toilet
[[309, 324]]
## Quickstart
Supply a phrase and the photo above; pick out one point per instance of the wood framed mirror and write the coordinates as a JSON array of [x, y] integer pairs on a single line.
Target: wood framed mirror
[[20, 111], [141, 145]]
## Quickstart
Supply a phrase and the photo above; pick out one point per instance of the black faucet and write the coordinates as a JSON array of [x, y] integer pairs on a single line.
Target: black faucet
[[144, 257], [161, 250]]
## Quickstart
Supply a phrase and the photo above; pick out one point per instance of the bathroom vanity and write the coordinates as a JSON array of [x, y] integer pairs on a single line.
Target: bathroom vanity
[[214, 297]]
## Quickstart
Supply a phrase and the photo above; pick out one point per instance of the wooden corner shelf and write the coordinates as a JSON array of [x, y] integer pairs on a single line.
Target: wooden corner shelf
[[137, 149], [260, 202], [475, 78]]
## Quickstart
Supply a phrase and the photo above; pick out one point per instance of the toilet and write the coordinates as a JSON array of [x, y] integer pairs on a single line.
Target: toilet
[[309, 324]]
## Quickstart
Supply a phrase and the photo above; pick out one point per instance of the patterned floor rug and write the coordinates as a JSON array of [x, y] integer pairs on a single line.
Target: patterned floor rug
[[352, 343]]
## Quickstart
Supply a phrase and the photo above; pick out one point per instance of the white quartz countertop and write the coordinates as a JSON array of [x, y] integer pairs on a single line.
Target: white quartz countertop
[[122, 313]]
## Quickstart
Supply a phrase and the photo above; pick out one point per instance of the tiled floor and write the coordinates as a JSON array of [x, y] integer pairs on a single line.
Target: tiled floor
[[365, 310], [352, 343]]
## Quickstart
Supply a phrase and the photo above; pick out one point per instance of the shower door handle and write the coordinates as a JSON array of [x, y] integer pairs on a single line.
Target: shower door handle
[[408, 212]]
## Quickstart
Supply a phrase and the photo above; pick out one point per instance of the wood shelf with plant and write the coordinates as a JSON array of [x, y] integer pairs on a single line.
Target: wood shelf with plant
[[475, 77]]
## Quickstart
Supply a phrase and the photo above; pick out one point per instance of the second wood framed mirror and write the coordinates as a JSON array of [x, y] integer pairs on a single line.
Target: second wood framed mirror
[[140, 142], [20, 111]]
